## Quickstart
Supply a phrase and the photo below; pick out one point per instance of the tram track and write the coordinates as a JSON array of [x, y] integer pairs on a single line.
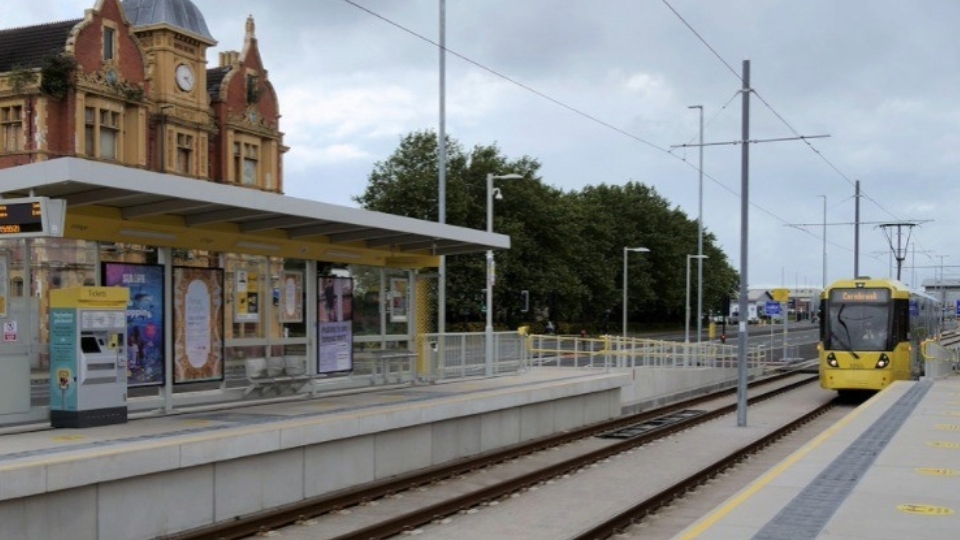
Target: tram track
[[302, 512], [631, 516]]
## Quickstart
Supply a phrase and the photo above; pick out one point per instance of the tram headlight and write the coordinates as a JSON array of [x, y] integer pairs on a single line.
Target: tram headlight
[[883, 361], [832, 360]]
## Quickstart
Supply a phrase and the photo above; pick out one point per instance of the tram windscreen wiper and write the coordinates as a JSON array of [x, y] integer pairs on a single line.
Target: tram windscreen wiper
[[846, 342]]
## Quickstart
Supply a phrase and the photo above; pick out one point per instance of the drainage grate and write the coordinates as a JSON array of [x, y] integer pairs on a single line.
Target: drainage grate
[[646, 426]]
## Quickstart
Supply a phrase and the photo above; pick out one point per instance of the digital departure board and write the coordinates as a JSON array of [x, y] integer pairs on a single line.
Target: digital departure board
[[36, 216]]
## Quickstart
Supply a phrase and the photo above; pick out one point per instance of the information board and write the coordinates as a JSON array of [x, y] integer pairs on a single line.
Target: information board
[[34, 216]]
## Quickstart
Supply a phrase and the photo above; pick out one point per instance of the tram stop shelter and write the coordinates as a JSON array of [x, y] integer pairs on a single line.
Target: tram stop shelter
[[252, 237]]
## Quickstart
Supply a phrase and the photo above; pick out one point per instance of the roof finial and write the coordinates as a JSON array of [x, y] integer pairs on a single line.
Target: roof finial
[[250, 26]]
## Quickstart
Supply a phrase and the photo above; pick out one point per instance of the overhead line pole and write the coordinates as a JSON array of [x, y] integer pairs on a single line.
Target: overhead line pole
[[856, 232], [744, 235], [442, 188]]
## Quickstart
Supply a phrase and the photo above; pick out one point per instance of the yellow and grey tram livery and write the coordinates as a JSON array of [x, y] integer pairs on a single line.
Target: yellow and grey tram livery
[[870, 331]]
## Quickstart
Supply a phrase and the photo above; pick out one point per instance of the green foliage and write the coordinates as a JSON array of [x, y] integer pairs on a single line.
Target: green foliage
[[566, 248], [20, 78], [57, 75], [128, 91]]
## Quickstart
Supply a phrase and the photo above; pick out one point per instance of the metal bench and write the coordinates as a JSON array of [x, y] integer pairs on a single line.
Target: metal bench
[[385, 359], [266, 376]]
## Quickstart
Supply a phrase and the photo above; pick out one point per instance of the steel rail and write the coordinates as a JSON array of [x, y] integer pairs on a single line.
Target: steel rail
[[620, 522], [275, 518]]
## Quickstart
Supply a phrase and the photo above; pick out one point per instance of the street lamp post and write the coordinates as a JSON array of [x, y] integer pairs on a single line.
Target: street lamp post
[[686, 339], [625, 250], [700, 233], [824, 257], [491, 272]]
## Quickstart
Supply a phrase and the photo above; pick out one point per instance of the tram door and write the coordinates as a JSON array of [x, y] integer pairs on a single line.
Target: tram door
[[19, 341]]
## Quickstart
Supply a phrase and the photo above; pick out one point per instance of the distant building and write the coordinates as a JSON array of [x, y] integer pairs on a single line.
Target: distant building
[[946, 291], [802, 304]]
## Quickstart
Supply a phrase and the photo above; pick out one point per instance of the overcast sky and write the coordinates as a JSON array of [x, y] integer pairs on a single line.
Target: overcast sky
[[598, 91]]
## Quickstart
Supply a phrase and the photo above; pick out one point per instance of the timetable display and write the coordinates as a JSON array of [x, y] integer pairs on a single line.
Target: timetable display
[[35, 216]]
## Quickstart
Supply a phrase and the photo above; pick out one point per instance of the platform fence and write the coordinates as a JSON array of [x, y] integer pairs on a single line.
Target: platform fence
[[456, 355], [628, 352]]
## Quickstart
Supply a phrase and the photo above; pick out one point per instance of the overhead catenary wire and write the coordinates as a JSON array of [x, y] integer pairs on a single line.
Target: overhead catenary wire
[[779, 116], [573, 109]]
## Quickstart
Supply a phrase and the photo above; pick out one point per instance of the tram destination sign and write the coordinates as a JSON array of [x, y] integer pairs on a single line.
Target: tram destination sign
[[857, 296], [31, 217]]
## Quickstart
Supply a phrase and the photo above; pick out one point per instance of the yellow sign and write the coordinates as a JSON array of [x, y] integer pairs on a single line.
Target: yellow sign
[[780, 295]]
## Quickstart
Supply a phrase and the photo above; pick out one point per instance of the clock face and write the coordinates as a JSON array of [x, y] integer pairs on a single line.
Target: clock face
[[185, 79]]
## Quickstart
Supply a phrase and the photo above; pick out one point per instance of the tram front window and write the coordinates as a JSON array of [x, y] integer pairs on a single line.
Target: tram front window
[[858, 327]]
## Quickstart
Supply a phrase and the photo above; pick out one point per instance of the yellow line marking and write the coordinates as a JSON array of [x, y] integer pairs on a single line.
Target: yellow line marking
[[925, 509], [68, 438], [944, 444], [937, 471], [773, 473]]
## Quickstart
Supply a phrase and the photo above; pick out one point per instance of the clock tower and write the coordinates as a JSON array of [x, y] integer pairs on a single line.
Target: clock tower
[[175, 39]]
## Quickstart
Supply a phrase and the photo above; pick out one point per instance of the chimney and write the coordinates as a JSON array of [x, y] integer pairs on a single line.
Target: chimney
[[229, 58]]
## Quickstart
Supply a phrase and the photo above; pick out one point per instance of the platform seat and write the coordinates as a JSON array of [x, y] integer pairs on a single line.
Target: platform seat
[[276, 375]]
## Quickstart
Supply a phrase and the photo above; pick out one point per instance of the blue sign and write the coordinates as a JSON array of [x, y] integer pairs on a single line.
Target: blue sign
[[958, 307], [771, 308], [914, 308]]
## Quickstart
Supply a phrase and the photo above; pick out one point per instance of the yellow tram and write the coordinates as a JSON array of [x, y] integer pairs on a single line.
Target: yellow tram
[[870, 330]]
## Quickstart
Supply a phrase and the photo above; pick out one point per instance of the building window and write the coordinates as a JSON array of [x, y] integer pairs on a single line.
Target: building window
[[246, 158], [101, 133], [11, 120], [184, 153], [109, 47]]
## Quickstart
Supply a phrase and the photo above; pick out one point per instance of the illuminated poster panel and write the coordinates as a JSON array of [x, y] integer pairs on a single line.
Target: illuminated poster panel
[[335, 322], [291, 297], [144, 319], [197, 324], [399, 295], [247, 294]]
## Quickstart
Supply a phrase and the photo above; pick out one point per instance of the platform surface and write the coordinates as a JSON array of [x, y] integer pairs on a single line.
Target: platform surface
[[38, 459], [890, 470]]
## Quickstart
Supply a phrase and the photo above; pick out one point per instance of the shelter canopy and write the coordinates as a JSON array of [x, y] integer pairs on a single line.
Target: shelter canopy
[[113, 203]]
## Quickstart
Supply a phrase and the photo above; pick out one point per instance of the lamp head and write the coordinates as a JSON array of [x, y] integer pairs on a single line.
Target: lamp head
[[497, 194]]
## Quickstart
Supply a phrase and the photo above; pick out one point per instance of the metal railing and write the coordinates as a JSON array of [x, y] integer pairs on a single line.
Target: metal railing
[[463, 354], [940, 355], [621, 352]]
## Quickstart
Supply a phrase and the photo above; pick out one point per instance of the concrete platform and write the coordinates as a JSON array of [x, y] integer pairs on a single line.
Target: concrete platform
[[158, 476], [890, 470]]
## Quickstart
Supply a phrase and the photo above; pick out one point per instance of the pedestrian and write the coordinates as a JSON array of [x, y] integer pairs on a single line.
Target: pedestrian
[[550, 329]]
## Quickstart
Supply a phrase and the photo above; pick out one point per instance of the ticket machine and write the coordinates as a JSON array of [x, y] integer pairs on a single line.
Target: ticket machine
[[88, 361]]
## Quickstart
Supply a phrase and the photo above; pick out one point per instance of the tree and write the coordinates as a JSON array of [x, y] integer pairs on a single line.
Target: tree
[[566, 248]]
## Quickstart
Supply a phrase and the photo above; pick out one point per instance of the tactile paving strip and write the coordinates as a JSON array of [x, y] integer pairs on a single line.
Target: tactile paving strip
[[806, 515]]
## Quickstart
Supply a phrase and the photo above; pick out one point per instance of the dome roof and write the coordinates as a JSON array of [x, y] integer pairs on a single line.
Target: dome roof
[[179, 13]]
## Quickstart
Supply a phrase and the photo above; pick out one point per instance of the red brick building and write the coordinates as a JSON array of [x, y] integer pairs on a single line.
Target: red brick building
[[128, 83]]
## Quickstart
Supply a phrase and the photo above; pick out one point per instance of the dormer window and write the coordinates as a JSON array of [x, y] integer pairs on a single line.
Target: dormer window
[[253, 89], [109, 43]]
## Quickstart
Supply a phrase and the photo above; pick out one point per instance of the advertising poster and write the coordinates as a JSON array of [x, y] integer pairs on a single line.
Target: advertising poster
[[291, 297], [335, 321], [247, 295], [144, 319], [398, 299], [197, 324], [63, 359], [4, 280]]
